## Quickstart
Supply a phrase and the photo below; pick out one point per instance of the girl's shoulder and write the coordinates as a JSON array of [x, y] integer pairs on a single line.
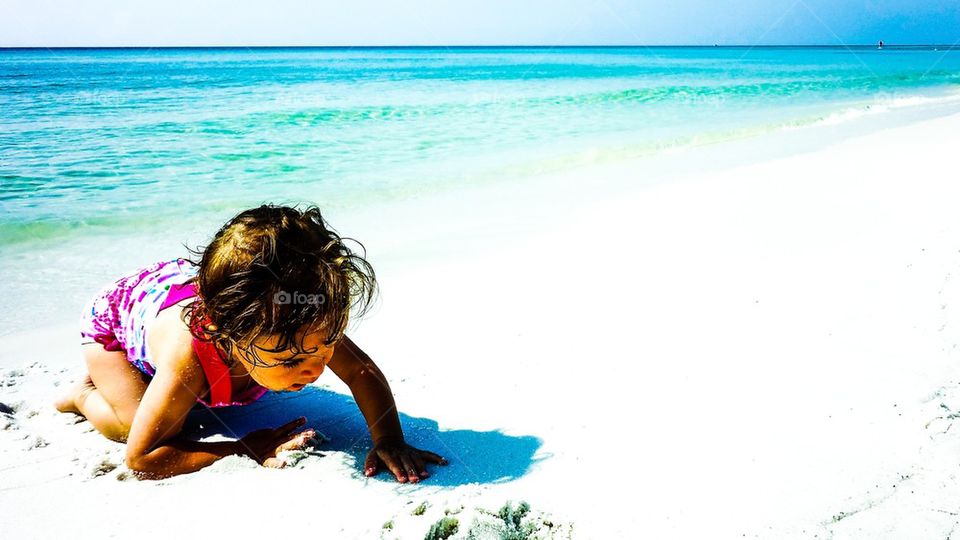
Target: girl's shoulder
[[170, 346]]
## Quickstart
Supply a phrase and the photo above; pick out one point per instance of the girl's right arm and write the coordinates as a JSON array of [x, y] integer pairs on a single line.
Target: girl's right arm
[[155, 448]]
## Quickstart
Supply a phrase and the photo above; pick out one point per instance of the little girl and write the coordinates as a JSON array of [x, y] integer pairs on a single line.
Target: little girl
[[264, 309]]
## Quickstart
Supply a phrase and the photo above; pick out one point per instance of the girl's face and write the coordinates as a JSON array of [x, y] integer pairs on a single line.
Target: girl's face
[[285, 370]]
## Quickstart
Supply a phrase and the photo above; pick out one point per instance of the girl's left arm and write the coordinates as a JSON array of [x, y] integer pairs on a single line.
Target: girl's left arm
[[373, 396]]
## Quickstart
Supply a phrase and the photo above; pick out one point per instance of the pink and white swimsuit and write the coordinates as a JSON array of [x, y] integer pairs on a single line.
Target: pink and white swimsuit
[[117, 317]]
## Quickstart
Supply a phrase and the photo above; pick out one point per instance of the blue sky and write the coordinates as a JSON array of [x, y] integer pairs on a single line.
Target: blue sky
[[51, 23]]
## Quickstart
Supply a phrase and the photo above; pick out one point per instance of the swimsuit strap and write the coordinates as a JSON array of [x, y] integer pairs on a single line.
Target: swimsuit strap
[[177, 293]]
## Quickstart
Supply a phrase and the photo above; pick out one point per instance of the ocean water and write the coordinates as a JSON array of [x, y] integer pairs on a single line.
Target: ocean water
[[135, 144]]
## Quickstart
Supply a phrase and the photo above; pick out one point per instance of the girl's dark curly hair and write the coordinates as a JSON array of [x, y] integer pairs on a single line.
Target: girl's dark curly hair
[[277, 270]]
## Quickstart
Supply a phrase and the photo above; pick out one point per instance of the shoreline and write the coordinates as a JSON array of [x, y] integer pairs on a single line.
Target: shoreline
[[541, 199], [544, 193]]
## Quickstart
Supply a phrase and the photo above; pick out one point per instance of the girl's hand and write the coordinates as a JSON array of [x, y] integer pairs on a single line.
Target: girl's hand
[[408, 464], [263, 445]]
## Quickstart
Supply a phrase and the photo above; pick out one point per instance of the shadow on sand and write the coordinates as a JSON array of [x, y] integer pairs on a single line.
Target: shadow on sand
[[475, 456]]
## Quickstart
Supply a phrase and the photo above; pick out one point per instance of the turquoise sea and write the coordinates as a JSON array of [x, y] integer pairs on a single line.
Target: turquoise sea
[[132, 144]]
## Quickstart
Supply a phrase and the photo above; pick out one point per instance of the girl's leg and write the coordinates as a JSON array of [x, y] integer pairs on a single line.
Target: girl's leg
[[110, 395]]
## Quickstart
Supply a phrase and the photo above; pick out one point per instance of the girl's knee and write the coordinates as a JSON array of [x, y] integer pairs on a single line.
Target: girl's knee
[[120, 427], [110, 422], [116, 428]]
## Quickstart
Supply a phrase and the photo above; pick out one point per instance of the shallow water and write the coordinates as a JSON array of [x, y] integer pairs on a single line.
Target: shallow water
[[105, 138], [147, 147]]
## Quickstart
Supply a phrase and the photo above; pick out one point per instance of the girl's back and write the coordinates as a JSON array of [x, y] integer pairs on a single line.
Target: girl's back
[[118, 317]]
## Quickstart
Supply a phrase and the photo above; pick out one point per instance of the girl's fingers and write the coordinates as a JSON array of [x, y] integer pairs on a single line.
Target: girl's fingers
[[370, 465], [306, 435], [282, 437], [432, 458], [392, 464], [409, 468], [290, 426], [296, 442], [274, 463], [419, 464]]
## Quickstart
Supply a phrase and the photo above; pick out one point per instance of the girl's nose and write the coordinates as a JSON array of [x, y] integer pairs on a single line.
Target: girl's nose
[[312, 372]]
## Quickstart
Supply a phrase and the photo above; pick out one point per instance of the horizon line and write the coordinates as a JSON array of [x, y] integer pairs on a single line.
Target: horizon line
[[604, 46]]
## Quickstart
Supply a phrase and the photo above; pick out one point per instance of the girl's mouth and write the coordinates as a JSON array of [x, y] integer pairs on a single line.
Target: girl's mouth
[[297, 386]]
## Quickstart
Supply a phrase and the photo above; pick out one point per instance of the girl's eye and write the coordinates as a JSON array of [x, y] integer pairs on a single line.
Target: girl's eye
[[292, 363]]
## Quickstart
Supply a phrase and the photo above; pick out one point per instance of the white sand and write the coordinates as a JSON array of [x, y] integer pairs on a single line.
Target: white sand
[[763, 351]]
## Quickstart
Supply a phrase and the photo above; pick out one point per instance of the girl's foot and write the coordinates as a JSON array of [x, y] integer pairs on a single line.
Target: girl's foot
[[68, 402]]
